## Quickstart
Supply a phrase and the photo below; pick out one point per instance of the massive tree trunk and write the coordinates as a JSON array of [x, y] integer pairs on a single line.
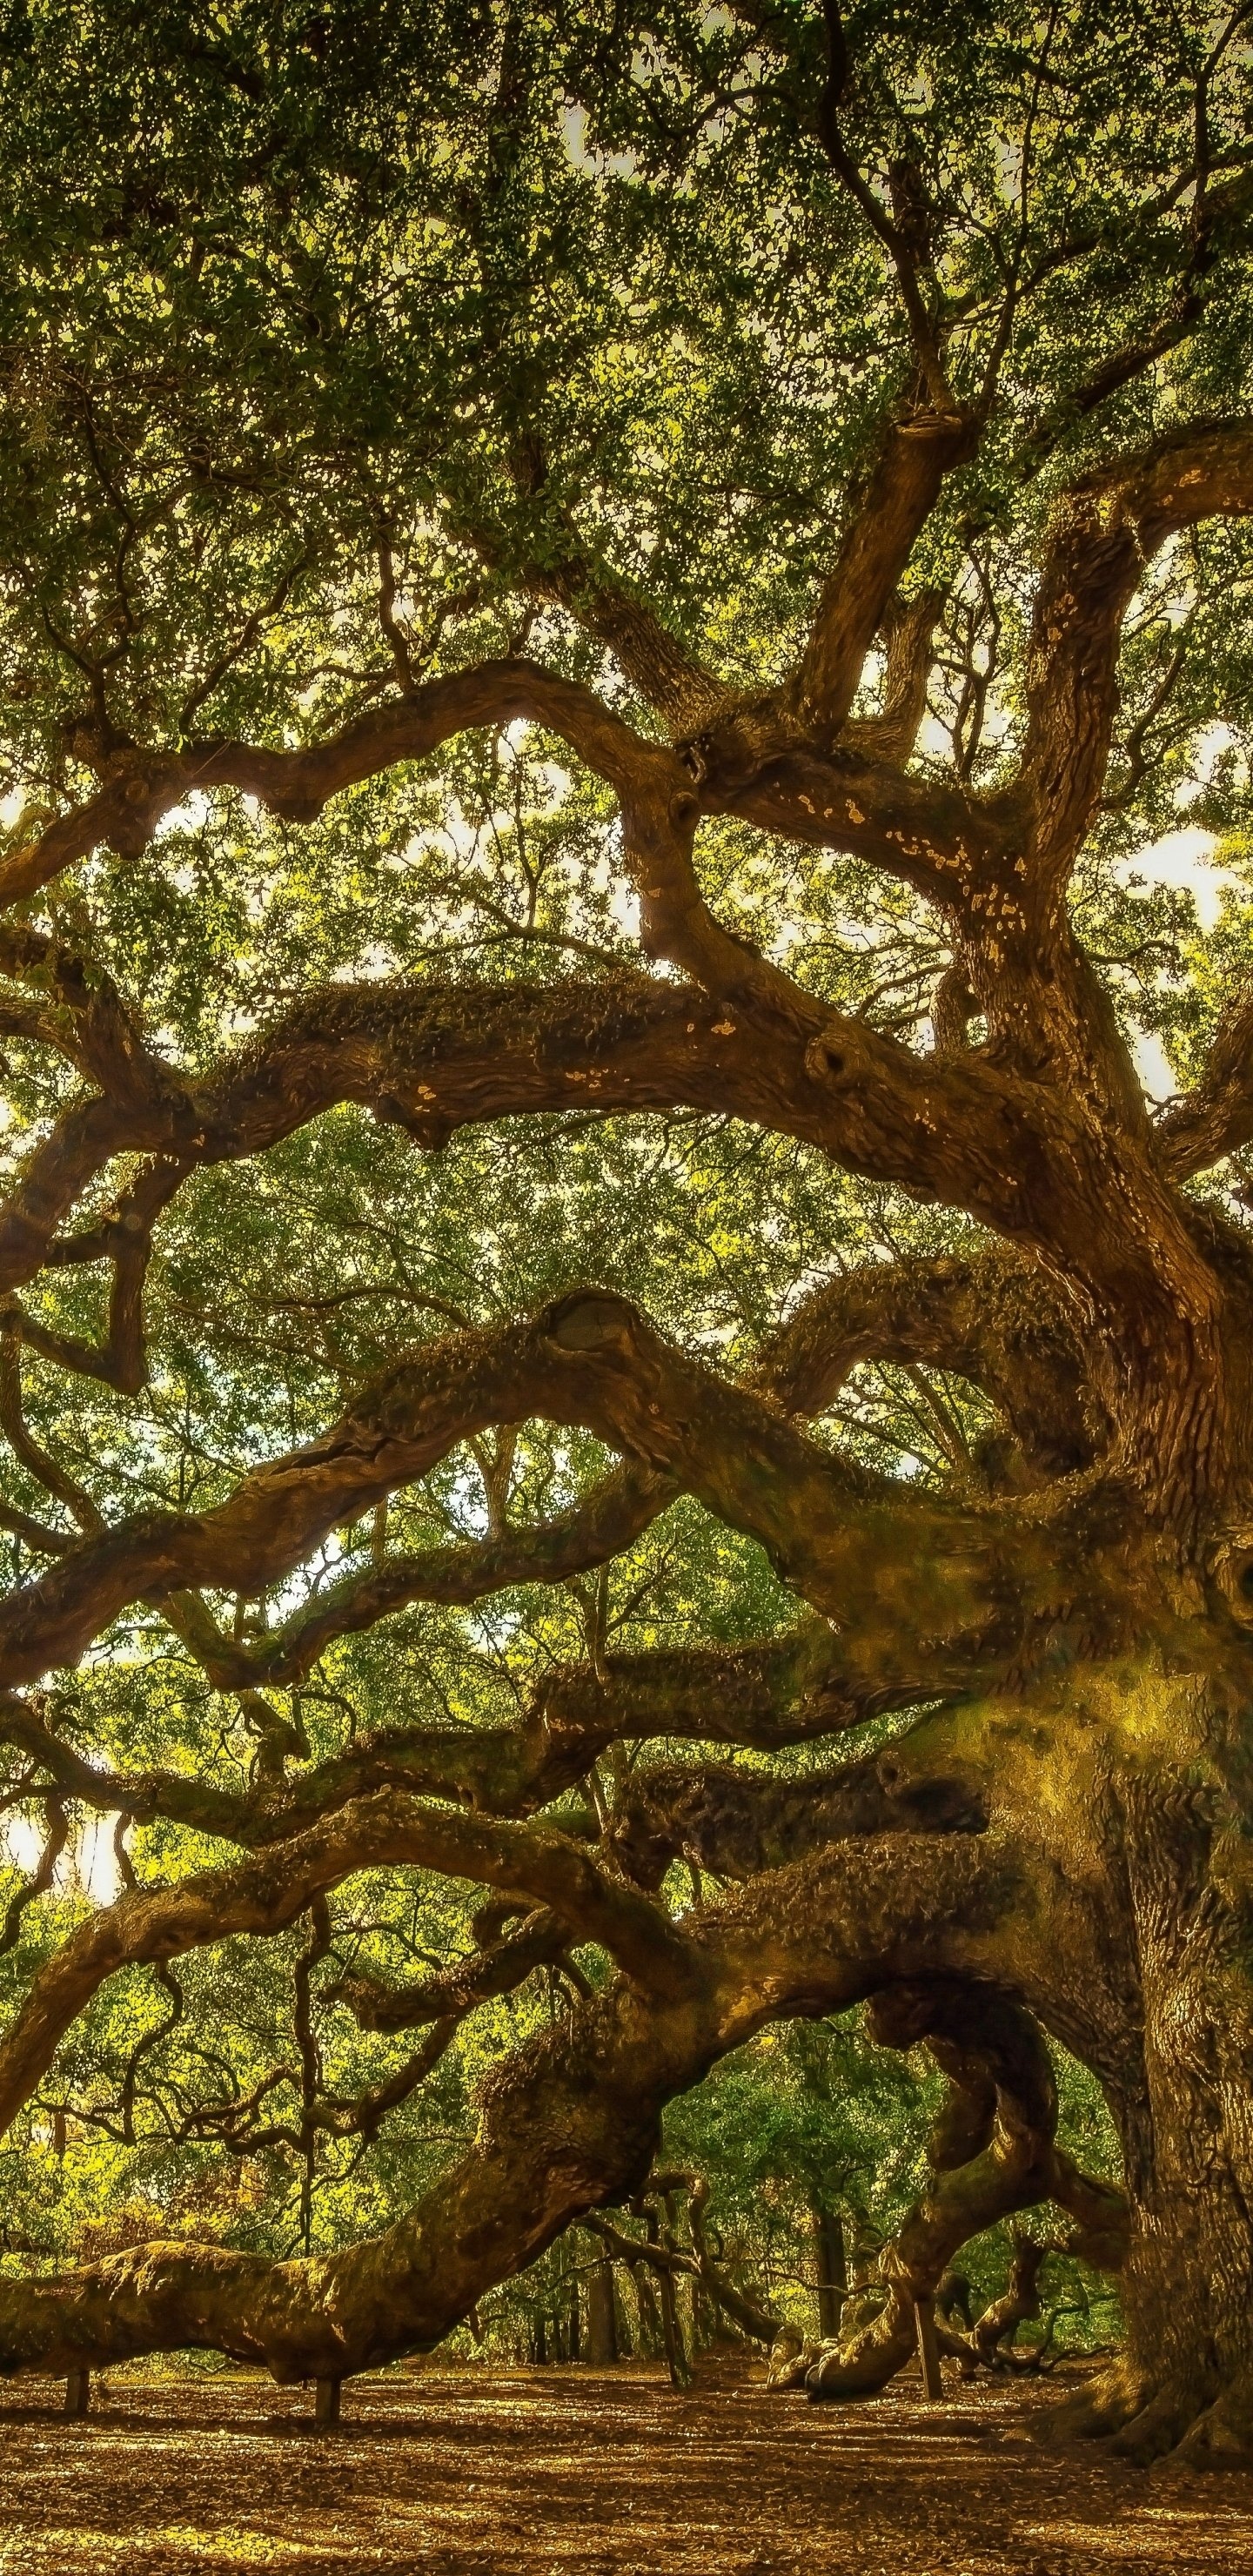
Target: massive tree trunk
[[1129, 1776], [1186, 2376]]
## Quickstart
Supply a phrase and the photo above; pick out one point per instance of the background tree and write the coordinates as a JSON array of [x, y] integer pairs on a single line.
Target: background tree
[[596, 606]]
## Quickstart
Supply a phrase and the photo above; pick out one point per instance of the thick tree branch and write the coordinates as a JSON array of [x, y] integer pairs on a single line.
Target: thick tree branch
[[739, 1823], [918, 451], [682, 691], [104, 1038], [266, 1894], [1023, 1159], [795, 1689], [1106, 532], [422, 1056], [1216, 1117], [928, 832], [994, 1318], [432, 1059], [833, 1532], [36, 1534], [659, 809], [566, 2125], [296, 785]]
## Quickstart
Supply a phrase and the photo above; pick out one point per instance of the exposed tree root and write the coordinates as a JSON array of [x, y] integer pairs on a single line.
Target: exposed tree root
[[1199, 2417]]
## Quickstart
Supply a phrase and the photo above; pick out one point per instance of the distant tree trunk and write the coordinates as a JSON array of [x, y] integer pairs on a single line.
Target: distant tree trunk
[[602, 2320], [650, 2339], [832, 2270], [995, 2330], [539, 2339], [672, 2333]]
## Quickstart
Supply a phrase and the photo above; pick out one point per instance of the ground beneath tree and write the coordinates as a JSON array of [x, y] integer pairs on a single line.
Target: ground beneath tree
[[570, 2472]]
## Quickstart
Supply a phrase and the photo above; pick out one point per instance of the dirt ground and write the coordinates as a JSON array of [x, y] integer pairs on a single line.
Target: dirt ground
[[570, 2472]]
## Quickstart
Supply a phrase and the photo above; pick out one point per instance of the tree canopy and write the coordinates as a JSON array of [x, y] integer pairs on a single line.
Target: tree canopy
[[615, 1165]]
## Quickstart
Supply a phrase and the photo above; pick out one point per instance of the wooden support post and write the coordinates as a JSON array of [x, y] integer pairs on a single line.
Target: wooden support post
[[928, 2348], [78, 2392], [326, 2410]]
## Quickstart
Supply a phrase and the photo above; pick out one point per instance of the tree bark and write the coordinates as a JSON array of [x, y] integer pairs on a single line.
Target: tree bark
[[1135, 1953], [602, 2318], [832, 2271], [1184, 2380]]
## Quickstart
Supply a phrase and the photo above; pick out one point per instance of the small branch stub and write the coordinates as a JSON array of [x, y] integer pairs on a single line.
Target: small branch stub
[[78, 2392], [928, 2349]]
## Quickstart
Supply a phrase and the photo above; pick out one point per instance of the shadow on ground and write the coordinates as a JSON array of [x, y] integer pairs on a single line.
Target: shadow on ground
[[571, 2472]]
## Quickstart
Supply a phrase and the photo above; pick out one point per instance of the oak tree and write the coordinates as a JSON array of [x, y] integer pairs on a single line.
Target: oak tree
[[596, 606]]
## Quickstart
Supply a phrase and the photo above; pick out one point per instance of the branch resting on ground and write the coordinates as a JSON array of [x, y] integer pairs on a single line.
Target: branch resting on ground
[[566, 2125]]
